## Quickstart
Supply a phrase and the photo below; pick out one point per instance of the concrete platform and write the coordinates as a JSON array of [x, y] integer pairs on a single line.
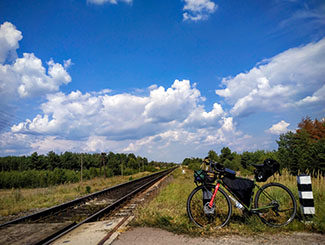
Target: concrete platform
[[94, 232]]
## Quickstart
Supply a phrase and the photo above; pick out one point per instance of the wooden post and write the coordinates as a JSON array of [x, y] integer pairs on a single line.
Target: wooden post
[[122, 167], [81, 167], [103, 162]]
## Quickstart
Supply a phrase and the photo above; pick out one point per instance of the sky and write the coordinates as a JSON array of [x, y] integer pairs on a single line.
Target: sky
[[164, 80]]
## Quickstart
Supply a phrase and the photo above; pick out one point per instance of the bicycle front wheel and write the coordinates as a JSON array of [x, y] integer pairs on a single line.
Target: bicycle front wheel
[[279, 202], [203, 216]]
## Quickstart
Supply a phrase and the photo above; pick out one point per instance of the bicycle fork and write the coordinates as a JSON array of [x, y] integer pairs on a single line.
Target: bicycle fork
[[214, 195]]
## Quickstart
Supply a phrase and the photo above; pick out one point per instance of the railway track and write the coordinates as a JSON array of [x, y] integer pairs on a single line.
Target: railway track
[[46, 226]]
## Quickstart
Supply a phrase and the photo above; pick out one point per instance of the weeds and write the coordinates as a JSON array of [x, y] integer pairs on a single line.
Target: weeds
[[88, 189], [17, 196]]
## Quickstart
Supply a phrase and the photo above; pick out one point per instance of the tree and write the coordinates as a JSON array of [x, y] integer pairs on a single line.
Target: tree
[[315, 129], [226, 155], [245, 159], [33, 164], [53, 160], [213, 156], [186, 161], [304, 150]]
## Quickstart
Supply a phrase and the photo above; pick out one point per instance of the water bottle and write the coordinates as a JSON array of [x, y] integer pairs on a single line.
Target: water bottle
[[237, 204]]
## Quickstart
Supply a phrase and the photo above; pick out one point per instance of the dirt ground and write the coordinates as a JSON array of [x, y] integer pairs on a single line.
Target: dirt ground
[[154, 236]]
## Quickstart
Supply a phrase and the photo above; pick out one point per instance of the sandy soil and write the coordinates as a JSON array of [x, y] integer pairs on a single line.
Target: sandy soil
[[153, 236]]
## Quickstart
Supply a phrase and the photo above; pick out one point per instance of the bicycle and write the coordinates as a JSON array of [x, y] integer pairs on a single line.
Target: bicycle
[[210, 205]]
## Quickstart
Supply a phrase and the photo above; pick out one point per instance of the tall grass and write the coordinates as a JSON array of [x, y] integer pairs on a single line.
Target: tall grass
[[168, 209]]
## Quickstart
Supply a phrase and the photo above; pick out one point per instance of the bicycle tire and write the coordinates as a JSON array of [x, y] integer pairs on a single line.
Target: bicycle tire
[[222, 208], [285, 206]]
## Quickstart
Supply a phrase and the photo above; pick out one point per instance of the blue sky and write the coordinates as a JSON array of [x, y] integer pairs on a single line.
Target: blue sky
[[162, 79]]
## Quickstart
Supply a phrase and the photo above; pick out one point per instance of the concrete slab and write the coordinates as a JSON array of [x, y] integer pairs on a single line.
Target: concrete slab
[[90, 233]]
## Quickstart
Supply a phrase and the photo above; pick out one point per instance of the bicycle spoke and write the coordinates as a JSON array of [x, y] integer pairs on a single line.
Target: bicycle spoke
[[202, 215], [282, 202]]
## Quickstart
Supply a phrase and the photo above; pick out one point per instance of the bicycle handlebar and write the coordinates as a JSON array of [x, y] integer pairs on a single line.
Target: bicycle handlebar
[[217, 166], [221, 169]]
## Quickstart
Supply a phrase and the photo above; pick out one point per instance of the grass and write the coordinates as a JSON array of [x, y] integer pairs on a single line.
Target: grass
[[168, 210], [14, 201]]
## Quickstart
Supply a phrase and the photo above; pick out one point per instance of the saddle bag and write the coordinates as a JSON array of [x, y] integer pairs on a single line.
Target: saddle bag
[[240, 187], [266, 170]]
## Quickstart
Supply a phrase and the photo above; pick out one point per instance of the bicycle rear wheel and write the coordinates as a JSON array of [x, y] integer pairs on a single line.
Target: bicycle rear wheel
[[282, 204], [216, 217]]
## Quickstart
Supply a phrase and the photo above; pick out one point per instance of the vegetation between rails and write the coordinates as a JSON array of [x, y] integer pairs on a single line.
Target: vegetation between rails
[[168, 210]]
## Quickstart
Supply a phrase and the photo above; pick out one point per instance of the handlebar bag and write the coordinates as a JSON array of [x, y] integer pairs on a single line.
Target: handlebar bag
[[240, 187], [199, 176], [266, 170], [204, 176]]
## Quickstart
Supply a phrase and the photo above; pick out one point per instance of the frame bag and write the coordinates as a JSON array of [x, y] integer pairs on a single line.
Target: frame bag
[[242, 188]]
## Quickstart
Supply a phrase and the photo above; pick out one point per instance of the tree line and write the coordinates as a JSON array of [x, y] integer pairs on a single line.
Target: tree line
[[302, 151], [52, 169], [116, 163]]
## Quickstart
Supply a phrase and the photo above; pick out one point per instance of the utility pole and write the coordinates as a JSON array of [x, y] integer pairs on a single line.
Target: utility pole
[[103, 162], [122, 167], [81, 166]]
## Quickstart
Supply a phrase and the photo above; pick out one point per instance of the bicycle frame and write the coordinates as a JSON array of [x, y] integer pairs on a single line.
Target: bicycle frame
[[250, 207]]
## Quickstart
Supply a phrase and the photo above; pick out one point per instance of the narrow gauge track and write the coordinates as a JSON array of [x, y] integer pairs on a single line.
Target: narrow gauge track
[[46, 226]]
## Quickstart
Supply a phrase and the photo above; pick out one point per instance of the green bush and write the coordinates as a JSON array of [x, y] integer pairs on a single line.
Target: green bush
[[194, 165]]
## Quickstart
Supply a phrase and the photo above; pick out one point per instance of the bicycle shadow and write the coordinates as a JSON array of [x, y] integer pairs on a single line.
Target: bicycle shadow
[[243, 218]]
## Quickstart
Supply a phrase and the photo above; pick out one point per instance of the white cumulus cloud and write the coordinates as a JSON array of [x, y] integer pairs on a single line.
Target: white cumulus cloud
[[120, 116], [292, 78], [9, 38], [279, 128], [175, 103], [26, 76], [196, 10]]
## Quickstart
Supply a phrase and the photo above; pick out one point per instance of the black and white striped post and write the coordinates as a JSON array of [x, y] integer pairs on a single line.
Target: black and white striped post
[[306, 198]]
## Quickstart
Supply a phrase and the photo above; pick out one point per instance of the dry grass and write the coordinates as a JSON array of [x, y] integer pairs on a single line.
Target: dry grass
[[14, 201]]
